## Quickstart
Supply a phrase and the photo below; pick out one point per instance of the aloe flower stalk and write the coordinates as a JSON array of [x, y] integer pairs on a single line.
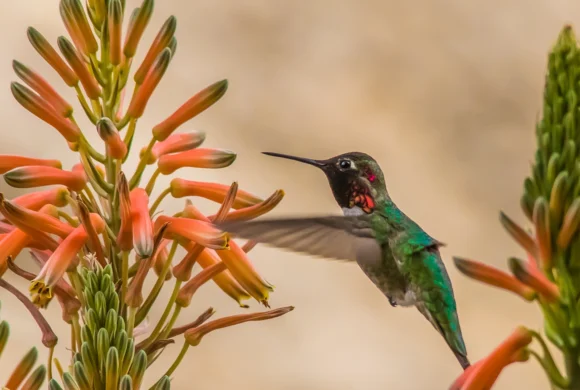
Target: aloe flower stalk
[[96, 234], [550, 276]]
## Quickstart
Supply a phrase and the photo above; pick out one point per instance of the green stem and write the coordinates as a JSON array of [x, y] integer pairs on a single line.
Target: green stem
[[158, 201], [131, 320], [49, 365], [85, 105], [151, 183], [134, 182], [178, 359], [554, 378], [124, 274], [91, 151], [171, 322], [157, 331]]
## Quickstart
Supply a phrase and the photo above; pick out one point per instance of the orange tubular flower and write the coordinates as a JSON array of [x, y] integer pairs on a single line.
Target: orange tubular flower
[[187, 291], [115, 26], [136, 27], [161, 41], [532, 277], [520, 235], [35, 200], [125, 237], [494, 277], [254, 211], [38, 176], [196, 158], [142, 227], [176, 143], [213, 191], [194, 106], [51, 56], [43, 88], [143, 93], [72, 27], [83, 27], [200, 232], [11, 246], [76, 62], [484, 373], [194, 336], [43, 110], [58, 263], [116, 148], [8, 162]]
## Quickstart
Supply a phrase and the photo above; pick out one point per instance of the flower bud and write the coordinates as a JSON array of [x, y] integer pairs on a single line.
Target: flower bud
[[36, 379], [22, 369], [541, 217], [76, 62], [125, 237], [72, 27], [213, 191], [161, 41], [519, 235], [83, 25], [175, 143], [35, 200], [51, 56], [116, 148], [200, 232], [8, 162], [532, 277], [115, 29], [37, 176], [196, 158], [136, 28], [194, 106], [570, 225], [141, 223]]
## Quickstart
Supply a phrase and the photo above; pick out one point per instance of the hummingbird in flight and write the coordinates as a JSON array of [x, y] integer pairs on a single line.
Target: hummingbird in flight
[[399, 257]]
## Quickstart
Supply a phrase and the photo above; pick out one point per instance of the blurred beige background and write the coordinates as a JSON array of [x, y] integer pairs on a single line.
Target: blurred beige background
[[444, 93]]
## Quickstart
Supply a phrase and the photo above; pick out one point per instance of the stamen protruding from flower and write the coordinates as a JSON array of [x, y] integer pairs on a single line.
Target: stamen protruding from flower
[[535, 279], [196, 158], [213, 191], [38, 176], [142, 226], [175, 143], [116, 148], [144, 92], [136, 28], [76, 62], [194, 336], [161, 42], [9, 162], [494, 277], [43, 110], [194, 106], [51, 56], [43, 88]]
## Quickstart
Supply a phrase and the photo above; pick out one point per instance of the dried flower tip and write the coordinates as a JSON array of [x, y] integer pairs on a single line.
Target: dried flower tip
[[519, 234], [494, 277], [43, 88], [51, 56], [194, 336], [38, 176], [136, 28], [570, 225], [43, 110], [187, 291], [115, 27], [8, 162], [144, 92], [82, 22], [175, 143], [535, 279], [36, 379], [142, 227], [22, 369], [541, 218], [194, 106], [76, 62], [213, 191], [57, 196], [161, 42], [254, 211], [59, 262], [484, 375], [196, 158], [116, 148], [200, 232]]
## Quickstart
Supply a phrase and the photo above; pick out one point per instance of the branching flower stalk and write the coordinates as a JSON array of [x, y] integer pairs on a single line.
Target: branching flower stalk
[[550, 274], [95, 233]]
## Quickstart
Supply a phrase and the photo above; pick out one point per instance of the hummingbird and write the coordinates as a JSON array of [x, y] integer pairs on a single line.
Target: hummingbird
[[395, 253]]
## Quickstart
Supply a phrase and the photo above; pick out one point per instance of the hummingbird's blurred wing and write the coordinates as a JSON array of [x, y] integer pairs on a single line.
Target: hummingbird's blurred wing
[[334, 237]]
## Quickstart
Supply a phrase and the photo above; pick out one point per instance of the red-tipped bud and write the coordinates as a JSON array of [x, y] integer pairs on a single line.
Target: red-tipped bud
[[136, 28], [213, 191], [115, 28], [38, 176], [494, 277], [76, 62], [116, 148], [144, 92], [161, 42], [43, 110], [175, 143], [8, 162], [125, 237], [532, 277], [51, 56], [43, 88], [196, 158], [35, 200], [194, 106], [142, 226], [200, 232]]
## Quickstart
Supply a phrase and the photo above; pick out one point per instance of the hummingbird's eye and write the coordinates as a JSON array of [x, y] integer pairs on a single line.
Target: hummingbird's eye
[[344, 164]]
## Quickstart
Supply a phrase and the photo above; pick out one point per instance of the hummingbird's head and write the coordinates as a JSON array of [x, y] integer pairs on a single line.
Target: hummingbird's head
[[356, 179]]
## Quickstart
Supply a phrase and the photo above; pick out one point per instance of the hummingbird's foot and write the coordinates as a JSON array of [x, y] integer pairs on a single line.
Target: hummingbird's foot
[[392, 301]]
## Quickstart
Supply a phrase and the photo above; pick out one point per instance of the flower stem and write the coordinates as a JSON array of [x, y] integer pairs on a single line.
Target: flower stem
[[151, 183], [158, 201], [124, 274], [178, 359], [134, 182], [131, 320], [164, 316], [171, 322], [49, 363]]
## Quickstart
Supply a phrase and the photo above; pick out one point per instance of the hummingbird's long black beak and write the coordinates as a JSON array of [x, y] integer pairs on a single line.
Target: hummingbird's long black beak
[[309, 161]]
